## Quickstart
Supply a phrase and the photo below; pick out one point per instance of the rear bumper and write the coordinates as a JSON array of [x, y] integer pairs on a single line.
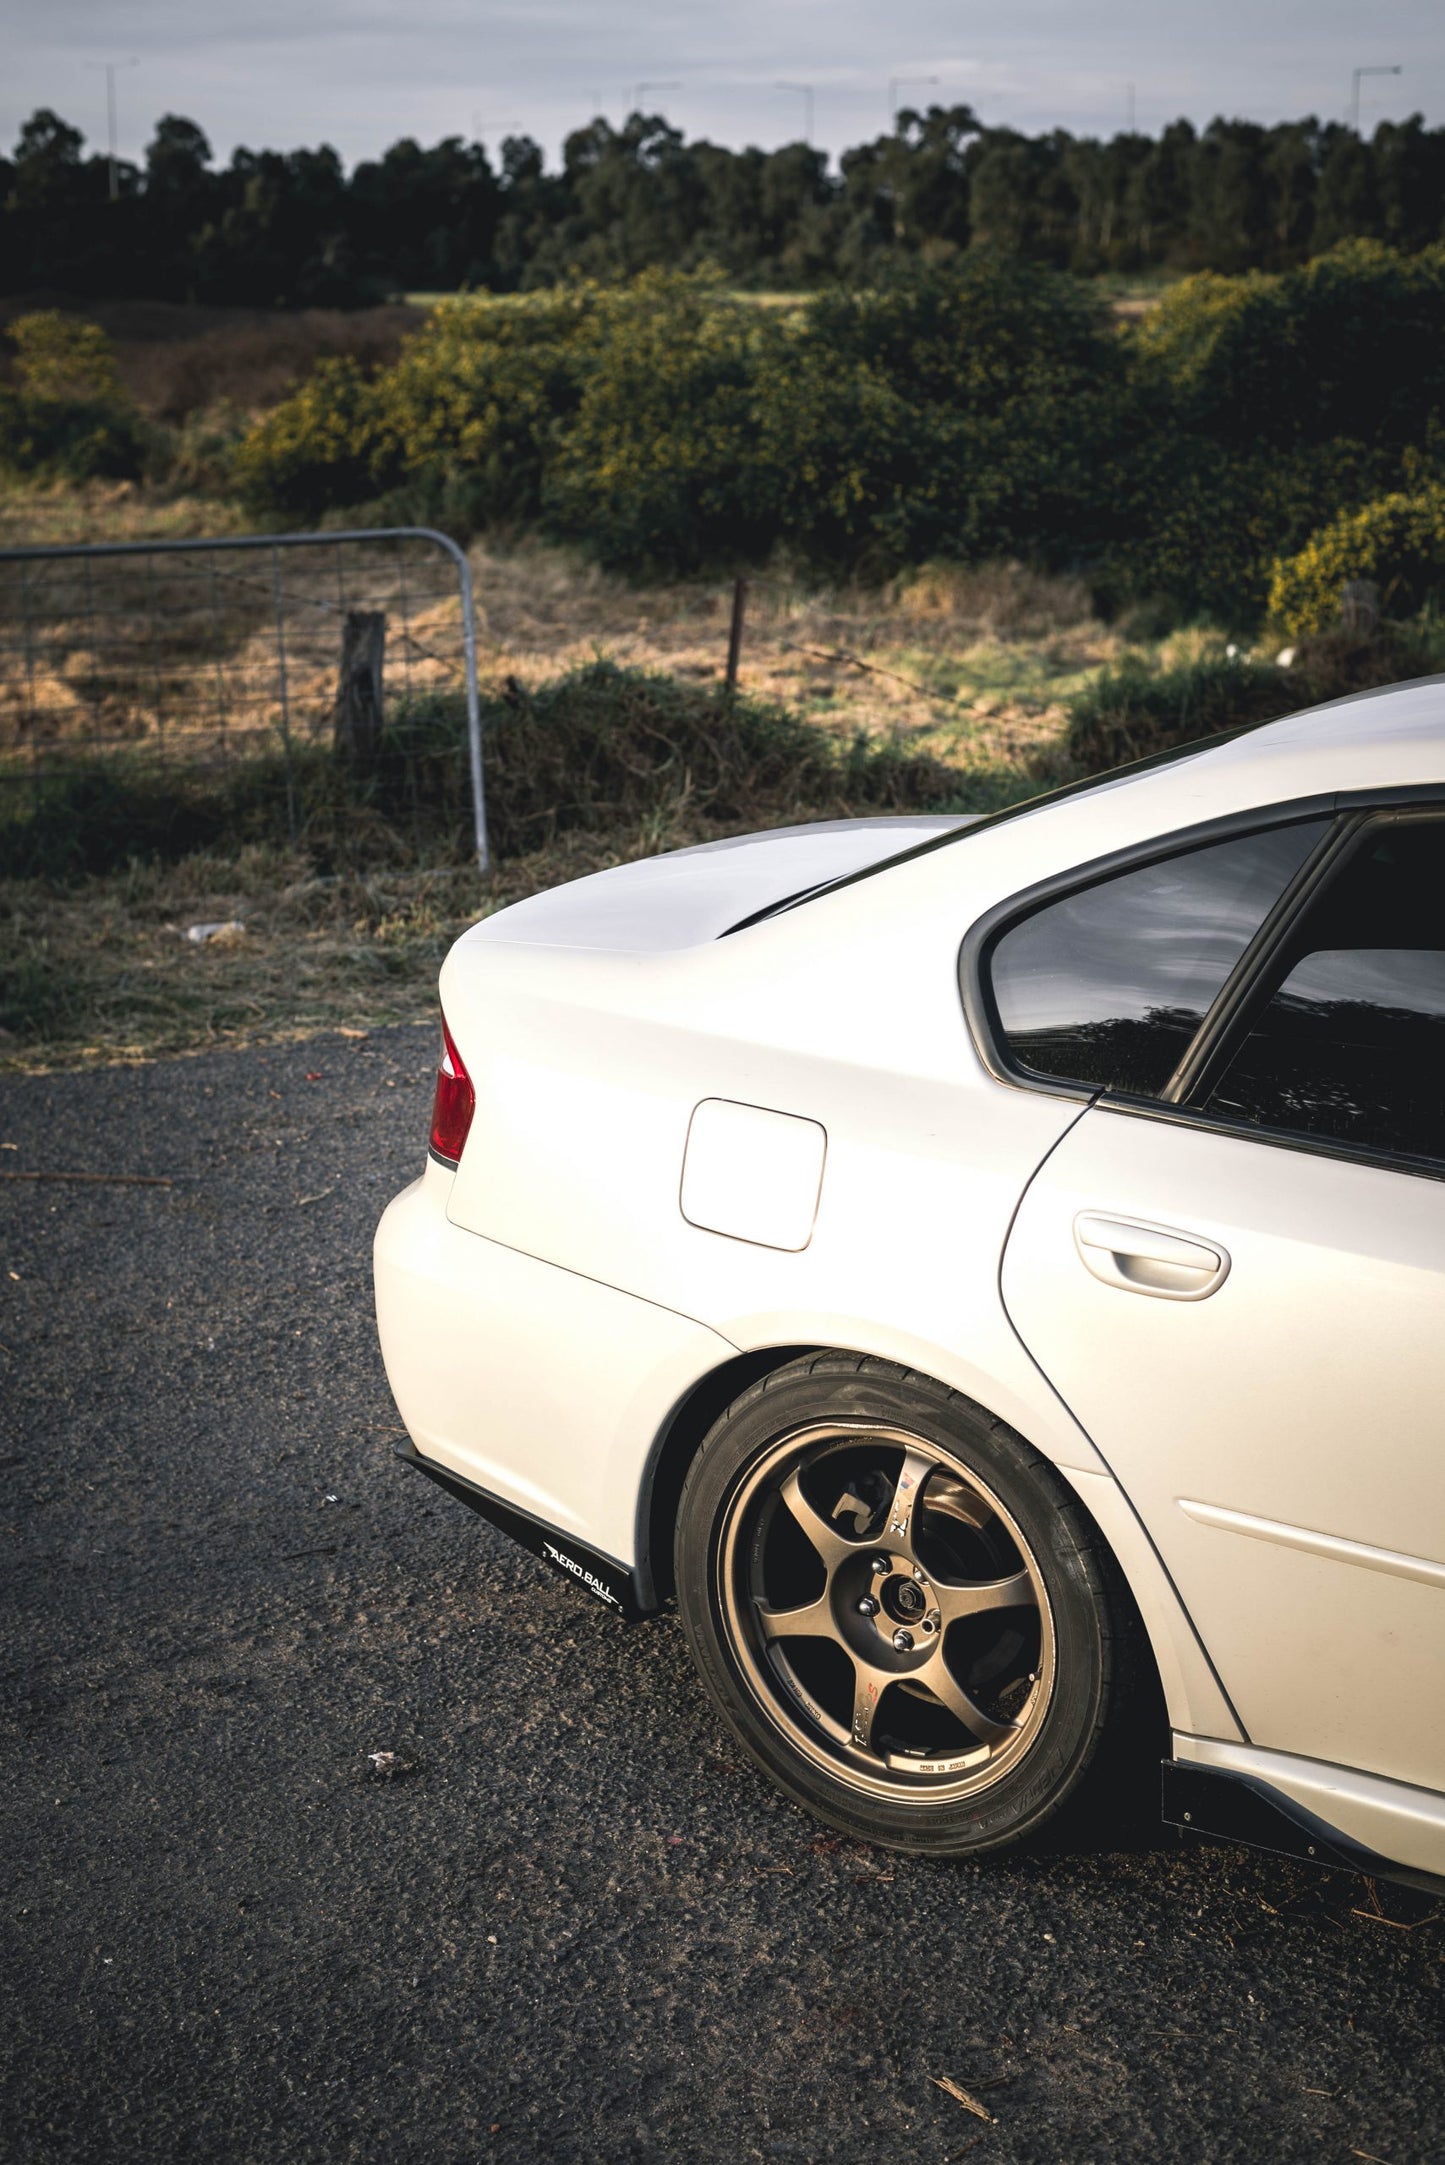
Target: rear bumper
[[629, 1592], [536, 1395]]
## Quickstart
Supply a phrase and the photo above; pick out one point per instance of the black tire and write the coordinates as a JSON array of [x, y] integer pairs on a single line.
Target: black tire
[[754, 1490]]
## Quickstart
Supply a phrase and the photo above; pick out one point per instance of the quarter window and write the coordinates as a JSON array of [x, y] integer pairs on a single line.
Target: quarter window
[[1350, 1046], [1108, 986]]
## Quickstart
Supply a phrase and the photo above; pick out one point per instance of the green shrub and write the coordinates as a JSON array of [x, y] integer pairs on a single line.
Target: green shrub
[[57, 357], [601, 749], [964, 412], [320, 447], [66, 418], [1351, 345], [476, 395], [662, 463], [1205, 525], [1132, 711], [1398, 541], [72, 440], [610, 749], [987, 407]]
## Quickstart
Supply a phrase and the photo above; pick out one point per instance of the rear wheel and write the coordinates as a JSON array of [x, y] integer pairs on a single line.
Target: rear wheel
[[898, 1607]]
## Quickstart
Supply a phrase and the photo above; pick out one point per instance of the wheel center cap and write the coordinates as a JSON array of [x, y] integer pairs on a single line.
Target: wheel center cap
[[904, 1600]]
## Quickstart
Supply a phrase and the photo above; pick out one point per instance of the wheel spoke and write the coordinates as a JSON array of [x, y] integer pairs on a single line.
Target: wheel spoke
[[946, 1688], [832, 1546], [869, 1686], [898, 1525], [972, 1597], [813, 1620]]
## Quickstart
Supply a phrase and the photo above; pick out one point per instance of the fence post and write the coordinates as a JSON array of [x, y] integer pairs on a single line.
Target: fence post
[[356, 721], [735, 636]]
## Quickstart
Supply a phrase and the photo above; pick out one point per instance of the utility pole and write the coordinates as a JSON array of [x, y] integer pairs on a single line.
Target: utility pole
[[1129, 102], [640, 91], [805, 91], [110, 67], [906, 82], [1355, 90]]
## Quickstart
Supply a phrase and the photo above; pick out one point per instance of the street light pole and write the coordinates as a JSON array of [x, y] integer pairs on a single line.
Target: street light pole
[[1355, 90], [110, 67], [805, 91], [640, 90], [906, 82]]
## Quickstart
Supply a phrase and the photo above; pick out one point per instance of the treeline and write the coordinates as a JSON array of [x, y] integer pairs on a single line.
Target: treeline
[[293, 228]]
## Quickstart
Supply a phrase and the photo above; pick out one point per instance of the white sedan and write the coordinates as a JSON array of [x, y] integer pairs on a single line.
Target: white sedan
[[991, 1274]]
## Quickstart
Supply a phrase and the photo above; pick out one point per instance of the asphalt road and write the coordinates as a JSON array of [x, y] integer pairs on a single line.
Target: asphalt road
[[579, 1927]]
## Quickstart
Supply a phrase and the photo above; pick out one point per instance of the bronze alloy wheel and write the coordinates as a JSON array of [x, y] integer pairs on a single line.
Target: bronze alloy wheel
[[885, 1611]]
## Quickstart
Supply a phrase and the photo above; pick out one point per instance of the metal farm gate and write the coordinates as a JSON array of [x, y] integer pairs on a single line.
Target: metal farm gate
[[191, 653]]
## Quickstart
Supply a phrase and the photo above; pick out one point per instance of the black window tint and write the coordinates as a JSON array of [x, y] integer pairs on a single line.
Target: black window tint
[[1108, 986], [1351, 1046]]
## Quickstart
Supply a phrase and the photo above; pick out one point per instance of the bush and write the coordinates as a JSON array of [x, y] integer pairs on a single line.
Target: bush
[[67, 418], [1351, 346], [662, 464], [46, 439], [1398, 541], [1131, 712], [1205, 525], [601, 749], [475, 397], [317, 449], [963, 413], [980, 409]]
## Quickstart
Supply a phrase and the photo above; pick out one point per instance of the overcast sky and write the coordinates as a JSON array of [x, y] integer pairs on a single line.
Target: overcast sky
[[359, 73]]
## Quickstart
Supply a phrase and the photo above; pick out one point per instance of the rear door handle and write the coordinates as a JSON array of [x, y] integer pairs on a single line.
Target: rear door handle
[[1149, 1258]]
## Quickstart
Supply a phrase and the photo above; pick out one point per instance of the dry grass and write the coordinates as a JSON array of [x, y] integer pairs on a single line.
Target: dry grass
[[110, 975], [969, 666], [66, 514]]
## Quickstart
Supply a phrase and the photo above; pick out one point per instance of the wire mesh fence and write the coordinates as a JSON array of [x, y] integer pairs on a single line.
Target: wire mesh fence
[[190, 654]]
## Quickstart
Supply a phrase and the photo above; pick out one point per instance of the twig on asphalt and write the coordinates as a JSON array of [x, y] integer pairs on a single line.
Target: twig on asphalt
[[956, 2090]]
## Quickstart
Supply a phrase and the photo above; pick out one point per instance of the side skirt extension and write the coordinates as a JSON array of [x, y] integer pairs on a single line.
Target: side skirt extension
[[1232, 1807], [610, 1582]]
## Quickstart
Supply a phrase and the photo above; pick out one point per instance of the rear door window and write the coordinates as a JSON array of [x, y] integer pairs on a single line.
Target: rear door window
[[1108, 986], [1349, 1045]]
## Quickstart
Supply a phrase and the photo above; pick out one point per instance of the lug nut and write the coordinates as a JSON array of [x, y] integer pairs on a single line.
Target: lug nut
[[867, 1606], [918, 1573], [930, 1624], [903, 1640], [881, 1566]]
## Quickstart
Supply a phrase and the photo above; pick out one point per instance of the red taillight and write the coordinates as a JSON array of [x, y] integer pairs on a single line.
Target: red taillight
[[454, 1103]]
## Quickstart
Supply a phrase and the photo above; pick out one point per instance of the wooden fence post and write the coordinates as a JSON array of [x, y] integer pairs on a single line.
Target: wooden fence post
[[356, 726], [735, 636]]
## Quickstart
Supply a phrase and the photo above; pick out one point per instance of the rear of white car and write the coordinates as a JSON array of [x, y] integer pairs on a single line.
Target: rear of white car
[[693, 1147]]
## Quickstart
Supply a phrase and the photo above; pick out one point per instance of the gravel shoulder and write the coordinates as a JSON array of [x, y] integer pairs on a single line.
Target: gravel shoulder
[[574, 1925]]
